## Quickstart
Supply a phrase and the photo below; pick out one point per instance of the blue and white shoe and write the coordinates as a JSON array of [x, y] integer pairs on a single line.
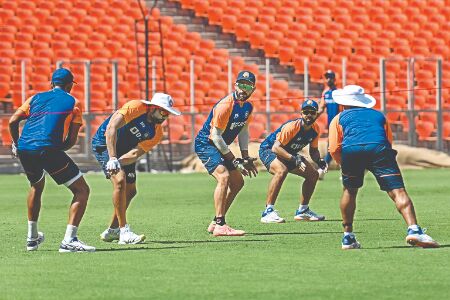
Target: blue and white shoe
[[270, 215], [75, 245], [420, 239], [307, 215], [350, 242], [33, 244]]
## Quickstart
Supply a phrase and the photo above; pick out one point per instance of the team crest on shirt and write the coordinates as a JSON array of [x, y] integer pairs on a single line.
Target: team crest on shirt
[[236, 116]]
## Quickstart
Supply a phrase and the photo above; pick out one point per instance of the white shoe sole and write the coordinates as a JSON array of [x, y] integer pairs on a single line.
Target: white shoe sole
[[273, 221], [414, 241], [352, 246], [73, 251], [140, 240], [108, 240]]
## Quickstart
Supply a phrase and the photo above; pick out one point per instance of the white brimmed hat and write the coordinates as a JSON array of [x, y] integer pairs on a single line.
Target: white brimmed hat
[[353, 95], [164, 101]]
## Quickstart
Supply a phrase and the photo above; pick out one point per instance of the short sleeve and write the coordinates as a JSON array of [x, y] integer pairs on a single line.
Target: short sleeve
[[133, 109], [221, 114], [77, 113], [315, 142], [287, 133], [148, 145], [25, 107]]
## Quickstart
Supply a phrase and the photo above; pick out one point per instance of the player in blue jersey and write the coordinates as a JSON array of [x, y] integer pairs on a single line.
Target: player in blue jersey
[[228, 119], [327, 103], [53, 120], [360, 139], [279, 154], [122, 138]]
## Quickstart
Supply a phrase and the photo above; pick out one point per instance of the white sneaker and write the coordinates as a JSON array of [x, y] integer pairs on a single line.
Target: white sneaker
[[75, 245], [129, 237], [321, 174], [33, 244], [271, 216], [110, 235]]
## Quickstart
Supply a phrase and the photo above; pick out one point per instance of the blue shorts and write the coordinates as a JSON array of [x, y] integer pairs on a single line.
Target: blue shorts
[[102, 156], [55, 162], [380, 160], [211, 157], [267, 157]]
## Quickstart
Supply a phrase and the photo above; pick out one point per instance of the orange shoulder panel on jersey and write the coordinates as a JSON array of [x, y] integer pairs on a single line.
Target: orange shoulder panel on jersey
[[388, 130], [148, 145], [133, 109], [335, 137], [77, 114], [315, 142], [288, 131], [222, 112], [25, 107]]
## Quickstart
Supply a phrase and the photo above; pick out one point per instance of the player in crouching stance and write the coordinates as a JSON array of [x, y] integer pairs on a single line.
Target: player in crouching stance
[[360, 138], [53, 120], [279, 153], [228, 118], [127, 134]]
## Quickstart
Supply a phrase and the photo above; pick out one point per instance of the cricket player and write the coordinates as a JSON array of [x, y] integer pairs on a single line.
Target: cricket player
[[279, 154], [53, 120], [360, 139], [228, 119], [125, 136], [327, 103]]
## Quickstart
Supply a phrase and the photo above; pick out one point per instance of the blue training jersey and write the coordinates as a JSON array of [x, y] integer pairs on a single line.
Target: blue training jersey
[[49, 117], [332, 106], [228, 115]]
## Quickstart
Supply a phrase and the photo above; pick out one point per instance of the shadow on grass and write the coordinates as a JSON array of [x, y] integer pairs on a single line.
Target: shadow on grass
[[294, 233], [138, 249], [369, 219], [403, 247], [208, 241]]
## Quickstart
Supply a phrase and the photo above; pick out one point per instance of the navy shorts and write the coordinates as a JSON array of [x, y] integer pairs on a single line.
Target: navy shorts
[[380, 160], [55, 162], [102, 156], [211, 157], [267, 157]]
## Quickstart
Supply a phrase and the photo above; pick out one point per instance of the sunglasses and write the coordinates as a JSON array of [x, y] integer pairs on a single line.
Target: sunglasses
[[309, 112], [245, 87], [164, 113]]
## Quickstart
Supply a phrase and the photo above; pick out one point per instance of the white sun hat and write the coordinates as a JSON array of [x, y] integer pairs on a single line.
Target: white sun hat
[[353, 95], [164, 101]]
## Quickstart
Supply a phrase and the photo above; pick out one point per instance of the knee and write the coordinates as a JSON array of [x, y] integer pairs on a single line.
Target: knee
[[82, 191], [223, 178], [281, 173]]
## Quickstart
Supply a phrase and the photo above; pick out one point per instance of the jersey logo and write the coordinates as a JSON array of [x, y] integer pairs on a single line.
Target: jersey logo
[[236, 125], [236, 115], [246, 114]]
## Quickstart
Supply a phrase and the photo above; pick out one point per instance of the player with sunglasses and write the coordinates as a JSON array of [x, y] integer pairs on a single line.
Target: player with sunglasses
[[279, 153], [125, 136], [228, 119]]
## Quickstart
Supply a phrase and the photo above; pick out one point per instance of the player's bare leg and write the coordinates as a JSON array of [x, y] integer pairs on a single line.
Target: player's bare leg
[[130, 194], [279, 172], [222, 175], [304, 213], [235, 184], [404, 205], [348, 206], [119, 197], [80, 191], [34, 200]]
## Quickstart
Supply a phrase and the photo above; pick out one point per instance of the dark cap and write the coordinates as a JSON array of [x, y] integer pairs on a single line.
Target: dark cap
[[310, 103], [62, 76], [247, 76], [329, 74]]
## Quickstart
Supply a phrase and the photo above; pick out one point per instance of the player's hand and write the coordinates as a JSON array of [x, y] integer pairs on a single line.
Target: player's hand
[[300, 162], [323, 165], [13, 150], [238, 163], [250, 167], [113, 166]]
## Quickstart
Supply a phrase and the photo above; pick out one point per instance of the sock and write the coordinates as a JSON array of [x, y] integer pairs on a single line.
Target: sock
[[113, 229], [32, 230], [349, 233], [414, 227], [302, 208], [71, 232], [220, 221], [269, 206], [125, 228]]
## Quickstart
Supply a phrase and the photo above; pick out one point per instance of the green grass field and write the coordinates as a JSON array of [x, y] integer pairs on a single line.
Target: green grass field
[[273, 261]]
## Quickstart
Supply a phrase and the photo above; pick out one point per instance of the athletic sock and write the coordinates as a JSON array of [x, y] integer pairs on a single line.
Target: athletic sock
[[302, 208], [349, 233], [71, 232], [220, 221], [414, 227], [116, 230], [270, 206], [32, 230]]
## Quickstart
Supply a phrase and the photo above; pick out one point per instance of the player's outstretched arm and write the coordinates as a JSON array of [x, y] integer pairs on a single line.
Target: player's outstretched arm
[[131, 156], [14, 122]]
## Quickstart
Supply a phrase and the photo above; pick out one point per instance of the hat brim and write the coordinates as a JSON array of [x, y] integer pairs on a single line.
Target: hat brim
[[359, 100], [171, 110]]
